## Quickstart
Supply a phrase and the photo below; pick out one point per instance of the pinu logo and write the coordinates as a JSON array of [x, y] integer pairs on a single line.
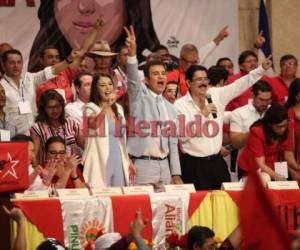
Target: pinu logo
[[89, 231]]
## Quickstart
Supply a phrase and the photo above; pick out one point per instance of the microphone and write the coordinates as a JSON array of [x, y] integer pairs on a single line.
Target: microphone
[[209, 100]]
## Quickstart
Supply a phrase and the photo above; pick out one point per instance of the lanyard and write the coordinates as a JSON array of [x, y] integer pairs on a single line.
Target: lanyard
[[22, 87]]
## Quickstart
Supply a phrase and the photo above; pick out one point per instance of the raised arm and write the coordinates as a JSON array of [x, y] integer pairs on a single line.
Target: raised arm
[[258, 43], [134, 84], [78, 54], [17, 215], [233, 90], [223, 33], [207, 49]]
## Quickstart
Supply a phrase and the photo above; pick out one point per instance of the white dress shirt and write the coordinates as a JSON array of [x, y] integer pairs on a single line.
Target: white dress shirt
[[75, 110], [242, 118], [25, 92], [201, 146]]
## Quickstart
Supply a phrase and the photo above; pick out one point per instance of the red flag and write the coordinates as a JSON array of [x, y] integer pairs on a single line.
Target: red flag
[[14, 163], [260, 225], [123, 217], [46, 215]]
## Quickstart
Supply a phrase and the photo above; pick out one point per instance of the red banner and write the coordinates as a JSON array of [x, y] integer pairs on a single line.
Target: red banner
[[13, 166], [46, 215], [124, 210]]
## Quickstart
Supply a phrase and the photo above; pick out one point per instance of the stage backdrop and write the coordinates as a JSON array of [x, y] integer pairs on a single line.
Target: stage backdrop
[[175, 22]]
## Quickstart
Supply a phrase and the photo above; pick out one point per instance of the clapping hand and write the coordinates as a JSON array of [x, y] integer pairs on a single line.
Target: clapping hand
[[137, 226], [72, 162]]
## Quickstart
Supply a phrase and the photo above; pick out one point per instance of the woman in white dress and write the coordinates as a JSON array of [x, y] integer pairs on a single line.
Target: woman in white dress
[[106, 161]]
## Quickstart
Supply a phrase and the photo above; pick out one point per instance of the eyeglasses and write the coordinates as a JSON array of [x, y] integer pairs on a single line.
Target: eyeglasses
[[58, 106], [190, 62], [57, 153], [201, 79]]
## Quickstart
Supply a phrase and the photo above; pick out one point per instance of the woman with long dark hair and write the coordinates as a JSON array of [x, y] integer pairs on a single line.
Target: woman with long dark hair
[[51, 121], [64, 23], [105, 156], [293, 107], [269, 142]]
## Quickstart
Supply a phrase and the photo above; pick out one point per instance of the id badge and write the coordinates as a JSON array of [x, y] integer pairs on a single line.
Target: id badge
[[281, 168], [4, 135], [24, 107]]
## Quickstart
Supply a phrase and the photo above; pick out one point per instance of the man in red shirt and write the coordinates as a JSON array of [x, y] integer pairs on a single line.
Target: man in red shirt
[[247, 61], [281, 83], [189, 56], [63, 81]]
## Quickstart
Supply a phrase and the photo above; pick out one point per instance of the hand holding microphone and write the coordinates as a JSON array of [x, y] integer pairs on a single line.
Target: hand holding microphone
[[211, 108]]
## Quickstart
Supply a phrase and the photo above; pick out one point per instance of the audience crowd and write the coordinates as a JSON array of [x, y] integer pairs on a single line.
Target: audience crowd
[[98, 119]]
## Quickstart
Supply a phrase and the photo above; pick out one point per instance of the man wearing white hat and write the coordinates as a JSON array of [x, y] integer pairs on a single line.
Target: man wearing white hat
[[102, 56]]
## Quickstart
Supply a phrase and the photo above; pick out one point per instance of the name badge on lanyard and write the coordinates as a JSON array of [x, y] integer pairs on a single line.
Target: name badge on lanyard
[[24, 107], [4, 135]]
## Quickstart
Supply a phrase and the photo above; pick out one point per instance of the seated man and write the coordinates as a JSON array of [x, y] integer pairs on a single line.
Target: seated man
[[34, 171]]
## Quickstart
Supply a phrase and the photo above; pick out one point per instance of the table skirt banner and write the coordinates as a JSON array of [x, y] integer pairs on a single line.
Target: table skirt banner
[[224, 214], [46, 215], [83, 219], [217, 210], [124, 211], [200, 209], [169, 212], [77, 222]]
